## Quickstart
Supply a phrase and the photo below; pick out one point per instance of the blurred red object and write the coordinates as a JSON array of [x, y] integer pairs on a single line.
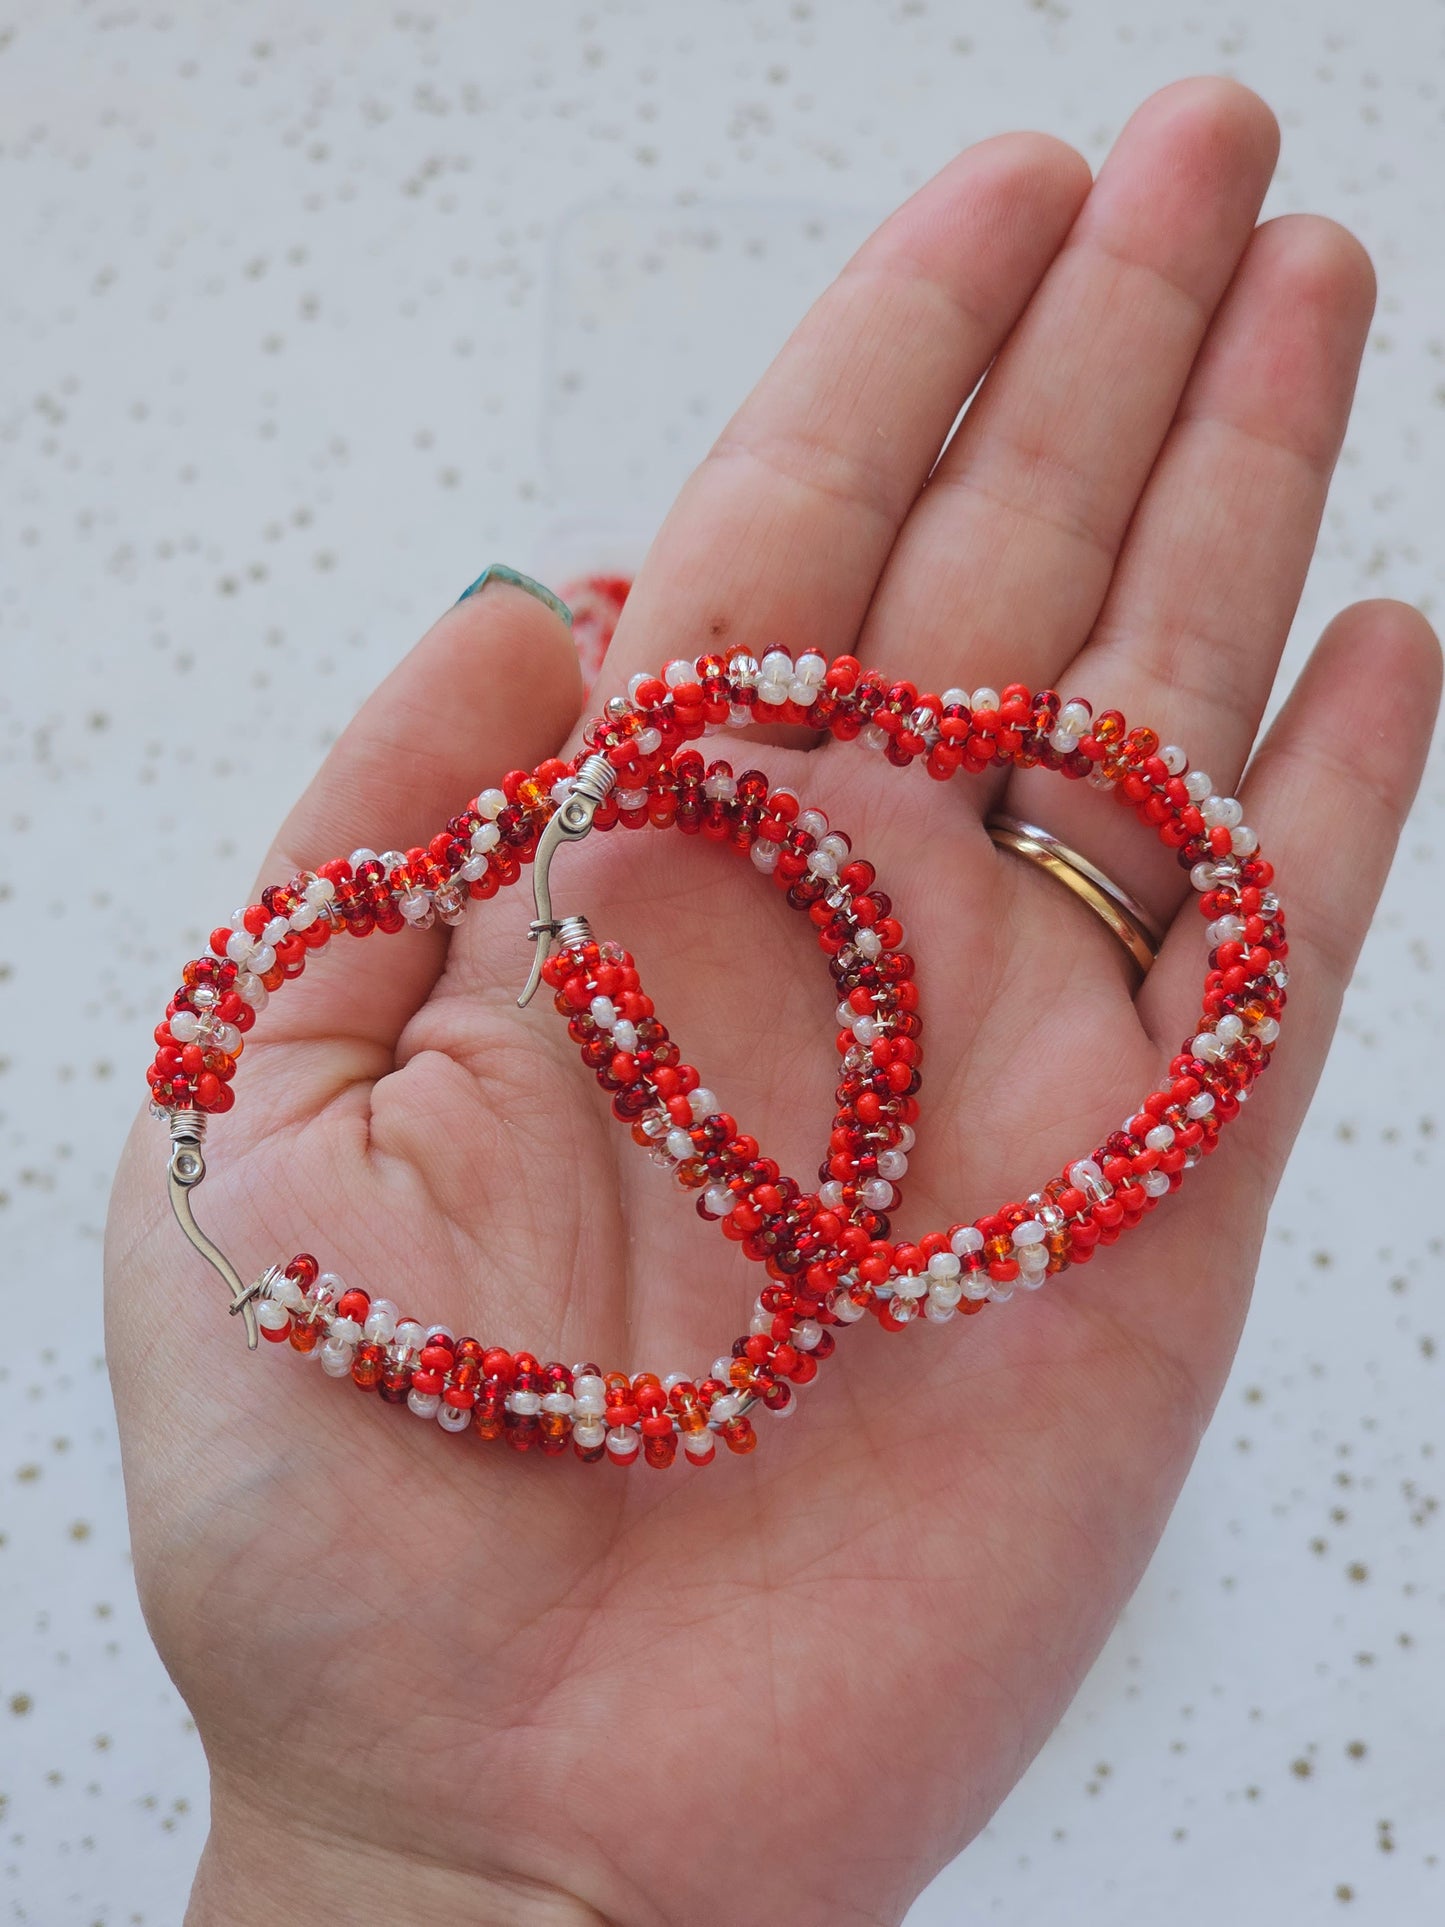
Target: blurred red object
[[596, 603]]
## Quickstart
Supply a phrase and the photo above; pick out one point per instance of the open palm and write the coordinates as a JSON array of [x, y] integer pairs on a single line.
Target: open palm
[[432, 1674]]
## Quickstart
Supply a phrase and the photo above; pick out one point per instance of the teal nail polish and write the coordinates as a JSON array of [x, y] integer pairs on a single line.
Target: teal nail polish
[[503, 572]]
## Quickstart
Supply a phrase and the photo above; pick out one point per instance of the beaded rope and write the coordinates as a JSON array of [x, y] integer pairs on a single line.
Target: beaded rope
[[827, 1252]]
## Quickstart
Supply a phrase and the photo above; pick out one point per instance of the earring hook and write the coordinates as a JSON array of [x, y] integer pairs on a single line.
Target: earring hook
[[569, 823]]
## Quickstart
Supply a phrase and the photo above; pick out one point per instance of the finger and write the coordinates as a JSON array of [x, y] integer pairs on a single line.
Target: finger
[[779, 535], [1327, 793], [1211, 571], [1005, 561], [494, 685]]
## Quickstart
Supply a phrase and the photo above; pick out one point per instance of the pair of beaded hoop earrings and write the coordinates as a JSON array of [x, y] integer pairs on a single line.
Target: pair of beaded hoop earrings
[[826, 1251]]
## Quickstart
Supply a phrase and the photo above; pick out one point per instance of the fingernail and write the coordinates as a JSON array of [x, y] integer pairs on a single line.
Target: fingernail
[[503, 572]]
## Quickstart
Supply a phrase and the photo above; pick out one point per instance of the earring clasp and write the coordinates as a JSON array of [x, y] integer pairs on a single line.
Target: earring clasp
[[569, 823]]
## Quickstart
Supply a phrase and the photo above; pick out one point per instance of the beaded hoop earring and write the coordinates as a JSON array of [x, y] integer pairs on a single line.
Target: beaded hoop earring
[[827, 1253]]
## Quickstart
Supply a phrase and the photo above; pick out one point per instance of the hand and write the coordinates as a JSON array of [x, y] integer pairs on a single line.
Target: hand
[[431, 1674]]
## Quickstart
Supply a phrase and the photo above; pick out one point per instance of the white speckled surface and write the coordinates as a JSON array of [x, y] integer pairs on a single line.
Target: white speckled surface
[[308, 312]]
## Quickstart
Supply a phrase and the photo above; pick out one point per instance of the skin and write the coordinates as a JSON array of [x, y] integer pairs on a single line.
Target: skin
[[430, 1674]]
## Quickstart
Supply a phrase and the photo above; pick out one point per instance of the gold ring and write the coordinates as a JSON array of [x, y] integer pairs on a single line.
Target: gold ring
[[1130, 922]]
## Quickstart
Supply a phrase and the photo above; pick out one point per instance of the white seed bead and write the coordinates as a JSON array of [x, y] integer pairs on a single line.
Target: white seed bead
[[727, 1405], [184, 1026], [623, 1441], [1222, 812], [1156, 1183], [589, 1432], [1225, 930], [525, 1404], [877, 1194], [1030, 1232], [966, 1239], [700, 1447], [380, 1326], [1243, 841], [345, 1331], [679, 671], [424, 1404], [944, 1264], [1173, 759], [1207, 1046], [679, 1144], [807, 1334], [1198, 785], [410, 1336], [984, 698], [453, 1418], [1159, 1139], [624, 1034], [1077, 716], [1267, 1029], [285, 1291], [336, 1360], [270, 1316], [765, 855]]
